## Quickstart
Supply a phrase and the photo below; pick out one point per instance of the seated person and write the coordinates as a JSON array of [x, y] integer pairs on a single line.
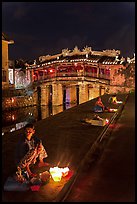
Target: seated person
[[113, 99], [99, 106], [28, 150]]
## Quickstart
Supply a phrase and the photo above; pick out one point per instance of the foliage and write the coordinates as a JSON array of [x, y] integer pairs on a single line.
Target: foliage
[[129, 74]]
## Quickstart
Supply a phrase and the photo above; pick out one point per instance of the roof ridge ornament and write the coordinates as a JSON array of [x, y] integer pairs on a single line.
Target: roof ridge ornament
[[87, 49], [76, 50], [112, 52], [66, 52]]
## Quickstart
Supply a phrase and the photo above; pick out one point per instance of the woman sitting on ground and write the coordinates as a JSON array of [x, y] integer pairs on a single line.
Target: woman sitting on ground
[[99, 106], [29, 149]]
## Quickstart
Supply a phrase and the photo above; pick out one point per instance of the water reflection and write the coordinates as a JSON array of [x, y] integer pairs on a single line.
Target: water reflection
[[16, 119]]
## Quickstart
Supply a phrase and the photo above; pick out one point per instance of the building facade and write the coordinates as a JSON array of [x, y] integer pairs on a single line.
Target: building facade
[[5, 60]]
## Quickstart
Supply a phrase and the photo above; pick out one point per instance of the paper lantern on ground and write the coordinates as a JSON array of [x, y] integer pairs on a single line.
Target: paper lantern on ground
[[64, 171], [56, 173]]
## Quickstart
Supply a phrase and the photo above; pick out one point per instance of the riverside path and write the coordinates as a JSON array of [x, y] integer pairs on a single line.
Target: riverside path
[[67, 140], [112, 179]]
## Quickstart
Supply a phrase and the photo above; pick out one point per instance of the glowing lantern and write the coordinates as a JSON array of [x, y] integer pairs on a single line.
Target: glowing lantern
[[107, 121], [65, 171], [50, 70], [12, 100], [13, 117], [119, 102], [57, 173], [113, 110]]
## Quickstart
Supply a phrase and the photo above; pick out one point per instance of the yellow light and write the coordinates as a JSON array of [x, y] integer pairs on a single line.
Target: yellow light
[[57, 173], [107, 121], [12, 100], [113, 109], [65, 171], [119, 101]]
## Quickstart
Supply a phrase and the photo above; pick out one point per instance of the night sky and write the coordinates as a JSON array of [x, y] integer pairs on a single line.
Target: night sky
[[43, 28]]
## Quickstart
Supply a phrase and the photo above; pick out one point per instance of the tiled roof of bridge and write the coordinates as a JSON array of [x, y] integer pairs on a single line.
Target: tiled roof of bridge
[[97, 58], [106, 59]]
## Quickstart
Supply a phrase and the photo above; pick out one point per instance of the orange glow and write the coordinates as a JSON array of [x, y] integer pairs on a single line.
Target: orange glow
[[113, 110], [107, 121], [13, 117], [65, 171], [57, 173], [12, 100], [119, 102]]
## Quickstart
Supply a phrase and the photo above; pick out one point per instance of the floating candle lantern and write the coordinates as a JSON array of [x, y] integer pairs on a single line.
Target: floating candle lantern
[[57, 173], [107, 121], [64, 171], [119, 102], [113, 110]]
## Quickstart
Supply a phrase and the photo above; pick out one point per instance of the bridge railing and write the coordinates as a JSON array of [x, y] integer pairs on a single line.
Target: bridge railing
[[71, 74]]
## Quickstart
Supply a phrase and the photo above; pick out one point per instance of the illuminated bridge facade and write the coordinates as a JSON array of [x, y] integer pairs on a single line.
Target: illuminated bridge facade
[[74, 76]]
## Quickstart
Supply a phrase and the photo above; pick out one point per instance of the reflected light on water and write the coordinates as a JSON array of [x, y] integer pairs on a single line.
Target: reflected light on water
[[15, 119]]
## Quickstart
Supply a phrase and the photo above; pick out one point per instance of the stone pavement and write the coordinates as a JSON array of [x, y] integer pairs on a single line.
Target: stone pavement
[[112, 177], [66, 139]]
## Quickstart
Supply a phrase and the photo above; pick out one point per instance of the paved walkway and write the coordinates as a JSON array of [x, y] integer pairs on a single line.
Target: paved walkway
[[113, 178], [66, 138]]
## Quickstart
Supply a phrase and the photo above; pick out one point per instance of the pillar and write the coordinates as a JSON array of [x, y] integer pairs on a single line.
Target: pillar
[[45, 94], [35, 97], [96, 91], [57, 109], [90, 91], [102, 90], [44, 112], [57, 94], [83, 93], [73, 94]]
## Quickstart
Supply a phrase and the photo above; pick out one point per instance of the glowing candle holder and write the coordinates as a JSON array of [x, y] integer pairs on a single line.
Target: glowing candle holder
[[56, 173], [119, 102], [107, 121], [64, 171], [113, 110]]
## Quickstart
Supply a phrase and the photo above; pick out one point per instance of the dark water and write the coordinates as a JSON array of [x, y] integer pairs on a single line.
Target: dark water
[[16, 119]]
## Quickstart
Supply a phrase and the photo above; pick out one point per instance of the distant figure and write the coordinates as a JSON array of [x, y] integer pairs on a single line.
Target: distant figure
[[99, 106], [28, 150], [113, 99]]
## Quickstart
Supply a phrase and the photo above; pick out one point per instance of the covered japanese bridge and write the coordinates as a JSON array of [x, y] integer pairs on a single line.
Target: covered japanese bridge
[[74, 76]]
